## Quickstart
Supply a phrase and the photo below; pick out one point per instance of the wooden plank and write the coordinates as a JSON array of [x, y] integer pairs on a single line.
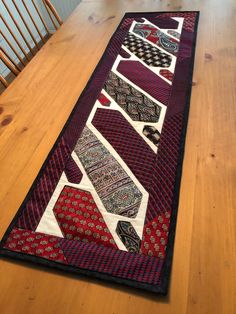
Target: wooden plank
[[35, 107]]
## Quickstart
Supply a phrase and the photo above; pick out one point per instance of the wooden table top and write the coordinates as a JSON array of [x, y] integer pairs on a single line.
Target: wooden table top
[[33, 111]]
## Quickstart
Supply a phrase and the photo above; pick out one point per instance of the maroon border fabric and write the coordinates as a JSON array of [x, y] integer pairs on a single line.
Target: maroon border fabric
[[140, 271]]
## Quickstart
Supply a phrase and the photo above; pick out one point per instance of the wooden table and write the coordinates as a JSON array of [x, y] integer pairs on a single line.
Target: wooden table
[[33, 111]]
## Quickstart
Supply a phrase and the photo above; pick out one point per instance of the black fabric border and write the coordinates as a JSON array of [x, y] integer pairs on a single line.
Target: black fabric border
[[161, 289]]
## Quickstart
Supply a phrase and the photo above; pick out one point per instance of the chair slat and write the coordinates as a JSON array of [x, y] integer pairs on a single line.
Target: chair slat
[[16, 40], [32, 20], [8, 62], [4, 81], [50, 14], [11, 60], [26, 24], [54, 11], [13, 49], [41, 17], [18, 27]]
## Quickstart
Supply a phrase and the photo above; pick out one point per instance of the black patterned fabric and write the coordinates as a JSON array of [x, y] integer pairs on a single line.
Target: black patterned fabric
[[128, 236], [149, 54], [134, 103], [152, 134]]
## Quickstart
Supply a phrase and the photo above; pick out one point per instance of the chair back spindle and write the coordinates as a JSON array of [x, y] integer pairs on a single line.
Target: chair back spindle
[[32, 32]]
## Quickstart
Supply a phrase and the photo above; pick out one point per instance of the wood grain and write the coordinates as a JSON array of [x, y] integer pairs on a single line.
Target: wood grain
[[35, 108]]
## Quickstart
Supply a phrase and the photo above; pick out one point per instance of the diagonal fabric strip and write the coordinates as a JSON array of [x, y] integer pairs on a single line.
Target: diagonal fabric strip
[[104, 101], [174, 33], [30, 217], [139, 157], [117, 191], [164, 22], [148, 81], [167, 74], [157, 37], [134, 103], [128, 236], [72, 171], [146, 52]]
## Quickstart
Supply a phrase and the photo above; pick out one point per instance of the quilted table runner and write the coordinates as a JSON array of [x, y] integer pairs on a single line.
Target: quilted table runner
[[105, 201]]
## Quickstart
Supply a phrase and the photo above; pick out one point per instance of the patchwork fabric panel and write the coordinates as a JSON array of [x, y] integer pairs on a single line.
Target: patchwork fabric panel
[[134, 103], [149, 54], [105, 202], [151, 33]]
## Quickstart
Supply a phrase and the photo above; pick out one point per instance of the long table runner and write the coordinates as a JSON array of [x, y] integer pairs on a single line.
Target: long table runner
[[105, 201]]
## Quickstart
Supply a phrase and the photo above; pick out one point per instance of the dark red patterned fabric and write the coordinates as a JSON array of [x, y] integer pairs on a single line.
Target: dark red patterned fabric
[[164, 22], [72, 171], [185, 49], [167, 74], [124, 54], [80, 219], [41, 195], [164, 171], [104, 100], [135, 152], [144, 78], [189, 19], [157, 180], [155, 236], [117, 263], [35, 243]]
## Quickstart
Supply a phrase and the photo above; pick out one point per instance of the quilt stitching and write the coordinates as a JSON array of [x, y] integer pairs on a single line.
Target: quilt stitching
[[149, 54], [129, 115]]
